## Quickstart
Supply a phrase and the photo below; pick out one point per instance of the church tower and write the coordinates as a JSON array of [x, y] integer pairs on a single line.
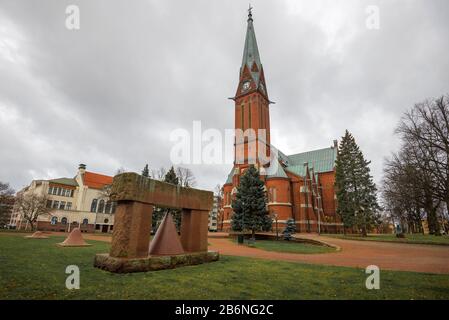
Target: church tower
[[251, 107]]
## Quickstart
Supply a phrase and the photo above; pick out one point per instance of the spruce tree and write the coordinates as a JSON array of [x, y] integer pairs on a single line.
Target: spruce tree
[[146, 171], [159, 213], [250, 203], [356, 192], [290, 229], [172, 178]]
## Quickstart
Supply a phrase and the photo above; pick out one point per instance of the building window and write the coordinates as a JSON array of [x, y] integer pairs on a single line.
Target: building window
[[64, 220], [54, 191], [114, 206], [50, 190], [108, 207], [59, 191], [243, 117], [86, 221], [72, 192], [93, 206], [49, 202], [249, 115], [62, 205], [68, 206], [67, 193], [54, 220], [55, 204], [101, 206]]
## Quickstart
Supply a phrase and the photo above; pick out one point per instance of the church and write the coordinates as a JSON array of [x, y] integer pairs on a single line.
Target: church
[[302, 185]]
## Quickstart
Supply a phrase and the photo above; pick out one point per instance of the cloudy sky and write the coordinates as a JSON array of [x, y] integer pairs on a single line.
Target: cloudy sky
[[109, 94]]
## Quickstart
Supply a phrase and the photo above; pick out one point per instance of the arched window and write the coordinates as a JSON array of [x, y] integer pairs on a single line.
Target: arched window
[[54, 220], [64, 220], [114, 206], [108, 207], [93, 206], [85, 221], [101, 206]]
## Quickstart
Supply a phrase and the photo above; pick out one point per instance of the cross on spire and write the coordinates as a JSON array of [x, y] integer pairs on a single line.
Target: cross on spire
[[250, 13]]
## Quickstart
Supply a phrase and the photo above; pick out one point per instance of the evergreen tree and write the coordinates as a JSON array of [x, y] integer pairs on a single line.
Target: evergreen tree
[[171, 177], [250, 203], [355, 189], [146, 171], [290, 229], [159, 213]]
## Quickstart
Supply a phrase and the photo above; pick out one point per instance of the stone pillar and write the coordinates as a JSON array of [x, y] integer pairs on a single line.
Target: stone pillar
[[132, 227], [194, 230]]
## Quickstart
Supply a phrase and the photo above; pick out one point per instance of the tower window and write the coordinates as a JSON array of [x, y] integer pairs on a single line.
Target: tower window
[[243, 117], [249, 115]]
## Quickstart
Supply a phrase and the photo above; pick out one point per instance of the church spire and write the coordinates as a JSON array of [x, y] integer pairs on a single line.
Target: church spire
[[250, 52]]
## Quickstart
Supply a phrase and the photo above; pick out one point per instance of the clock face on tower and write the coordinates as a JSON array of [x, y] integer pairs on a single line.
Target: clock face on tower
[[245, 86]]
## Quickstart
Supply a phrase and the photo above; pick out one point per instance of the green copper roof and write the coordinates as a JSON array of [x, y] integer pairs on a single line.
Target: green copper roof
[[280, 173], [65, 181], [322, 160], [298, 170], [251, 51], [230, 175]]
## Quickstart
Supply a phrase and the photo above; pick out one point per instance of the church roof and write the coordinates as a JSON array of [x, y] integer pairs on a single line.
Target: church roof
[[280, 173], [230, 175], [321, 160], [251, 52]]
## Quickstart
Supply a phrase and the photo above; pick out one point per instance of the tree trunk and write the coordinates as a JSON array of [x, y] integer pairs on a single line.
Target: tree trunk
[[364, 233], [253, 234]]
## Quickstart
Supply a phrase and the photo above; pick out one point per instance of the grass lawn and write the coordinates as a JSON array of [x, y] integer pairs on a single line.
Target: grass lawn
[[35, 269], [290, 246], [409, 238]]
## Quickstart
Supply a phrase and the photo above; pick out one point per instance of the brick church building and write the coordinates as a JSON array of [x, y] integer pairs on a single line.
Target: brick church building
[[302, 185]]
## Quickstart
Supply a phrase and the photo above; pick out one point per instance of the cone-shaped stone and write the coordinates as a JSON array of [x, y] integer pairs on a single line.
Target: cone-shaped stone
[[166, 240], [37, 235], [75, 239]]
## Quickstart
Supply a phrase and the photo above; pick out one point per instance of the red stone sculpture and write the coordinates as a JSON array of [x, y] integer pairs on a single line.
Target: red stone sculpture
[[166, 241], [37, 235], [75, 239]]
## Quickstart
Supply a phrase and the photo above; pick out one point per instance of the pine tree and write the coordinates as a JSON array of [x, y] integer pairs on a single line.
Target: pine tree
[[250, 203], [355, 189], [159, 213], [146, 171], [172, 178], [290, 229]]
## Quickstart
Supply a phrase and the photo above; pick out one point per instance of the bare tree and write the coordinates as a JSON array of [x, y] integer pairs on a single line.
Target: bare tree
[[185, 177], [159, 174], [425, 129], [31, 206], [6, 202], [120, 170], [416, 181]]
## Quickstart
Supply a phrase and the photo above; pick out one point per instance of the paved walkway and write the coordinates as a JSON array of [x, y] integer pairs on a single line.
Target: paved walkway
[[353, 253]]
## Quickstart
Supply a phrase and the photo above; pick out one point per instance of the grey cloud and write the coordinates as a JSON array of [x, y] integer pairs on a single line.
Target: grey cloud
[[110, 94]]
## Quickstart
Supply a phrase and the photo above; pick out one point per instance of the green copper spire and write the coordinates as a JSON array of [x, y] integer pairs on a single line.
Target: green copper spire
[[251, 52]]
